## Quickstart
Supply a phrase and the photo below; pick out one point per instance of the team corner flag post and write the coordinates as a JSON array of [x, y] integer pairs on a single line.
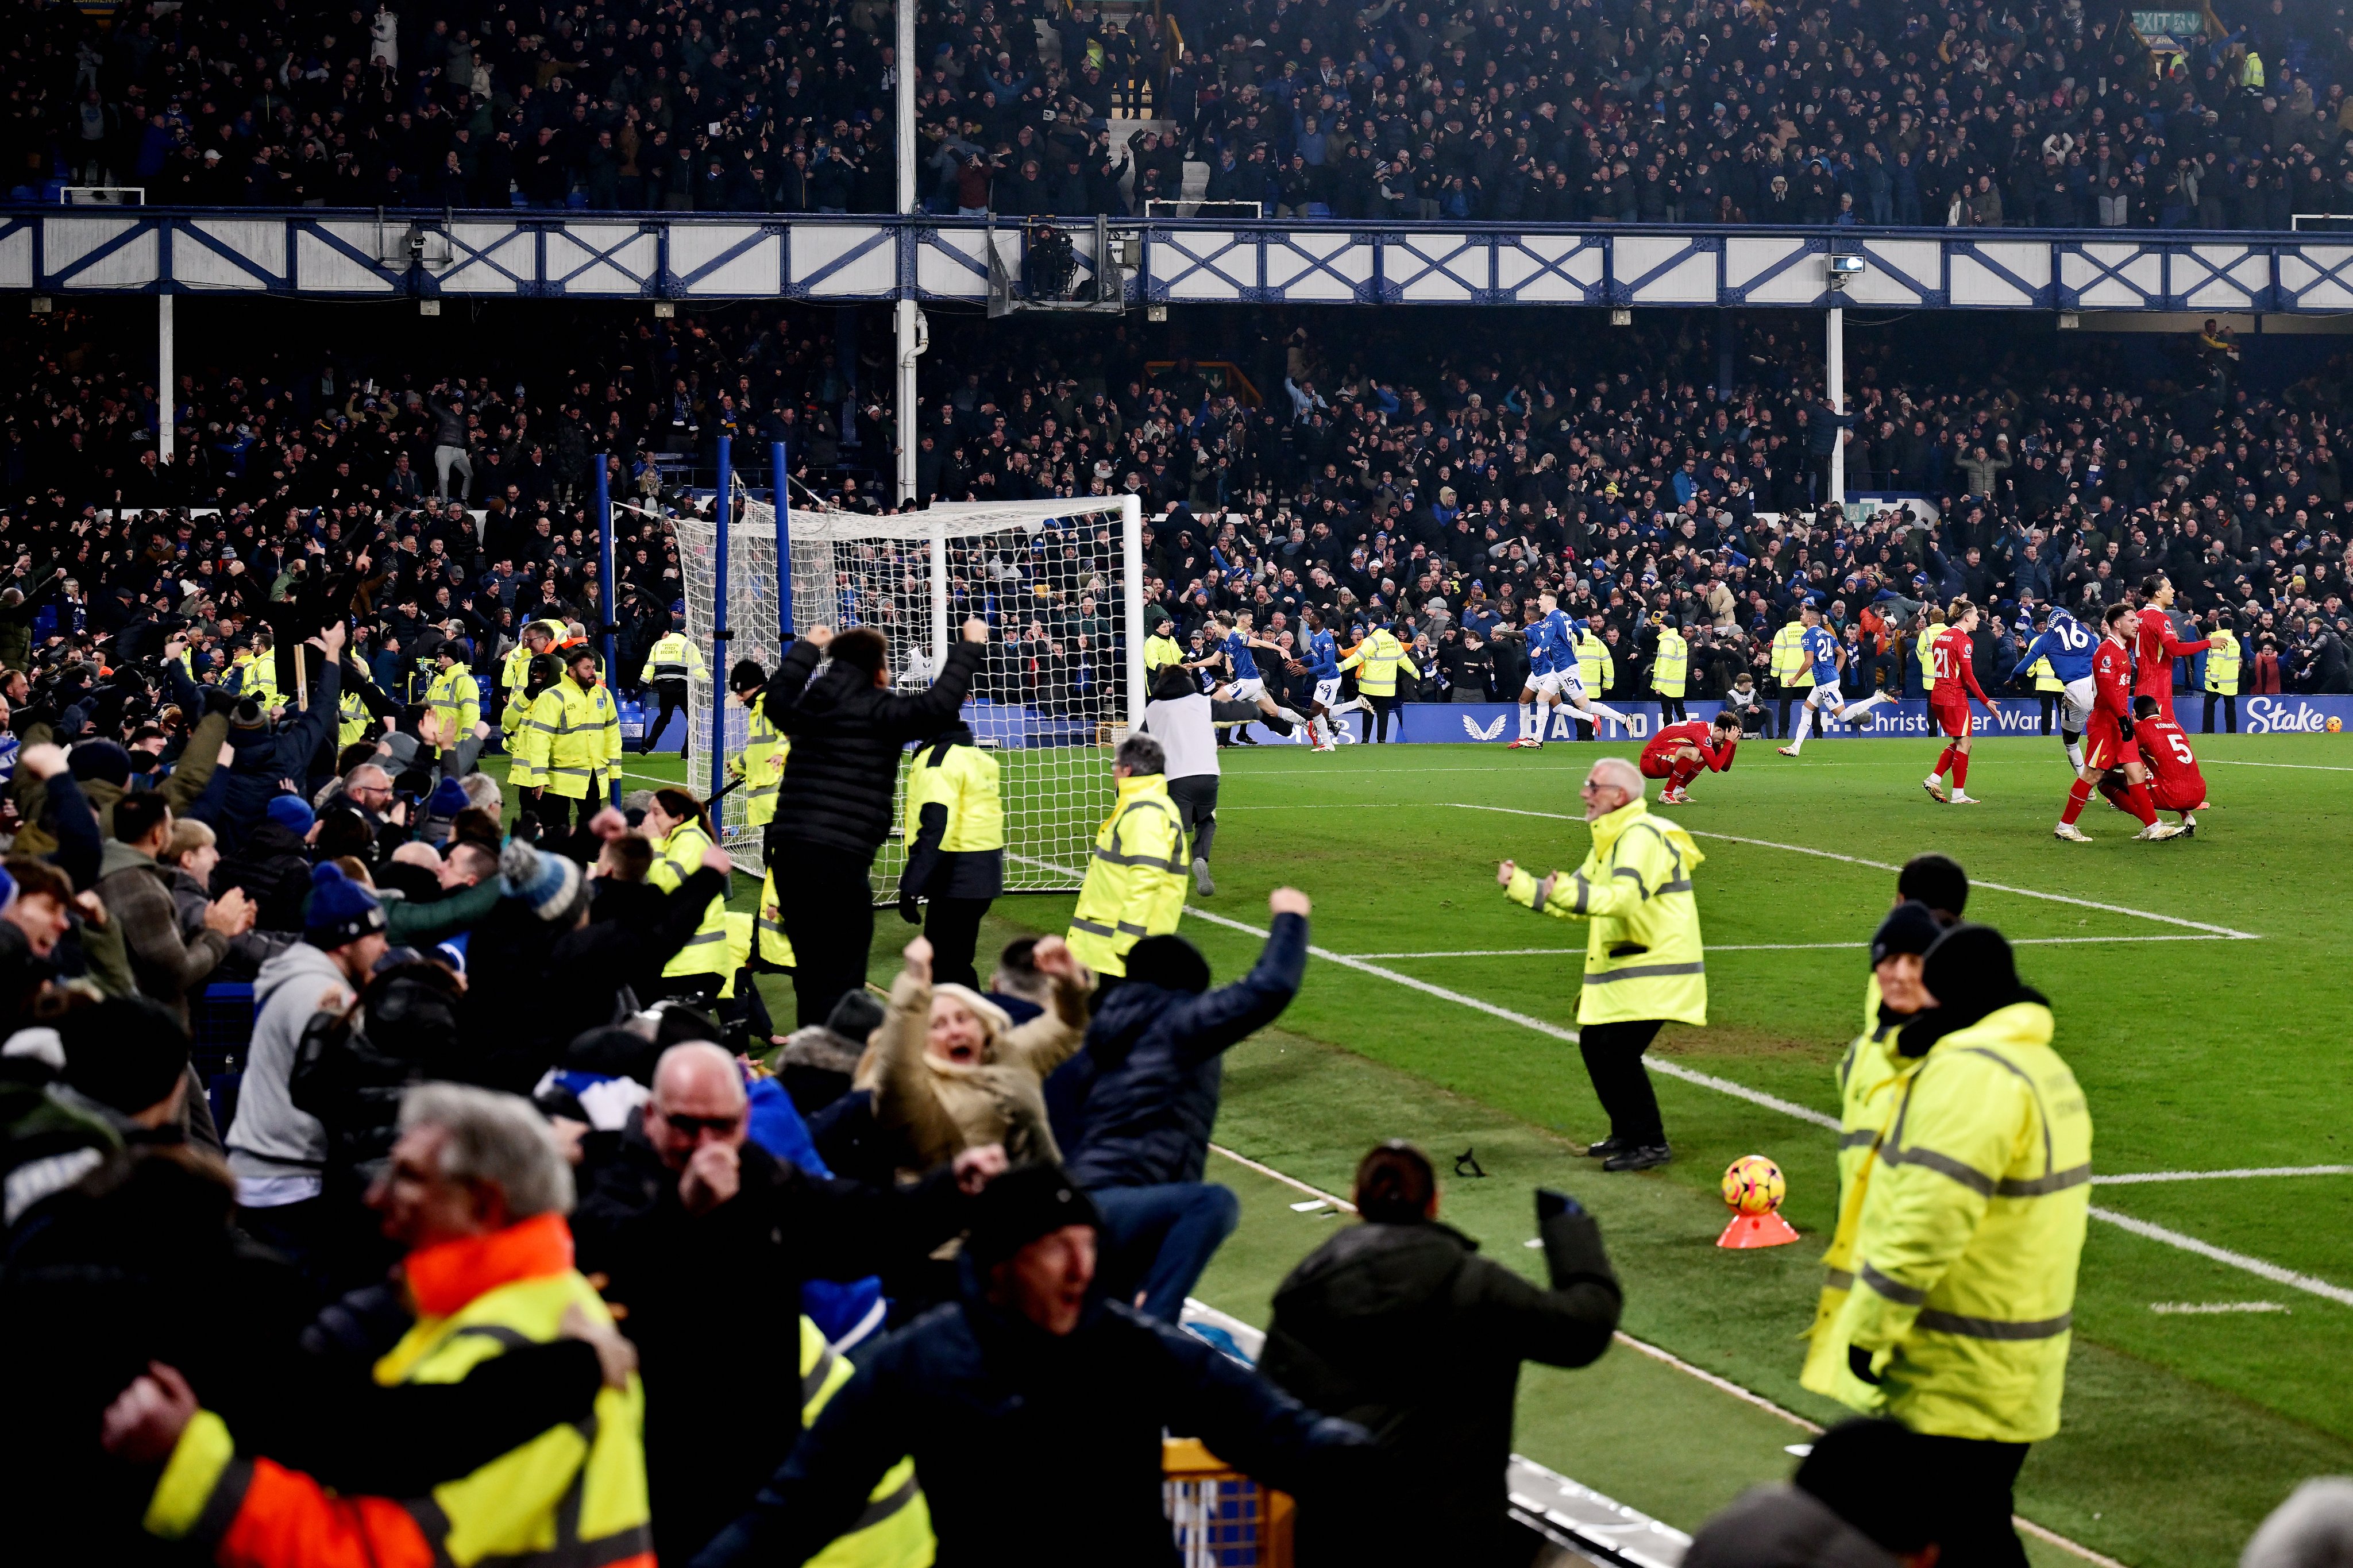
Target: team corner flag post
[[602, 503]]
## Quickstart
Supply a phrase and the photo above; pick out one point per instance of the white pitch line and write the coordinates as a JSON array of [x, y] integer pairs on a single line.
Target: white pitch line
[[1798, 946], [2246, 1173], [2298, 767], [2204, 1309], [1883, 866], [1668, 1358], [2254, 1266]]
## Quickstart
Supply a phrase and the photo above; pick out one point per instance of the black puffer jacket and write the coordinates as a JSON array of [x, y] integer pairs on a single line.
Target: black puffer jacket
[[843, 773], [1407, 1331]]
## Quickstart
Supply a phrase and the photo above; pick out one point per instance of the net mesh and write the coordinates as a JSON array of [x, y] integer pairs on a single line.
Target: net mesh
[[1055, 590], [753, 628]]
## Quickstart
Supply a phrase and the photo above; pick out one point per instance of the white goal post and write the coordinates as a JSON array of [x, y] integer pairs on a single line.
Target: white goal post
[[1060, 583]]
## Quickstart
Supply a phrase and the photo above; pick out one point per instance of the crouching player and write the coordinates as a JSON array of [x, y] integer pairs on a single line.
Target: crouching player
[[2109, 737], [1678, 753], [2174, 782]]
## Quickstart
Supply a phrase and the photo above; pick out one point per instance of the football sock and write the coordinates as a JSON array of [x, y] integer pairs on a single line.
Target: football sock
[[1805, 727], [2074, 744], [1593, 709], [1854, 709], [1944, 762], [1527, 721], [1960, 769], [2142, 806], [2078, 796], [2116, 797], [1685, 773]]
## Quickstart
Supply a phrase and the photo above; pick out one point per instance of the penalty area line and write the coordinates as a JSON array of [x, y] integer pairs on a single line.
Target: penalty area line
[[1668, 1358], [1883, 866]]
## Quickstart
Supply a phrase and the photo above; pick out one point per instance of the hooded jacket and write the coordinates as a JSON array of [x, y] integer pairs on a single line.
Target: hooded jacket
[[1136, 1106], [841, 776], [270, 1136], [1408, 1332]]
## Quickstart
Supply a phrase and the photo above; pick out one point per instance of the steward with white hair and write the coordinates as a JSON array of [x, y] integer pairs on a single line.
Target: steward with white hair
[[1644, 964]]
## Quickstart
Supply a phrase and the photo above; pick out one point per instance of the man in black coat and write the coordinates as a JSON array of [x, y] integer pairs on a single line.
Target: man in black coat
[[706, 1235], [847, 729], [1133, 1110], [1034, 1386], [1399, 1324]]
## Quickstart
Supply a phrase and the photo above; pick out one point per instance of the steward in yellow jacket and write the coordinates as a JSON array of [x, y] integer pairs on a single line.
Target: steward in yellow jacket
[[1644, 964], [454, 696], [1594, 665], [1136, 881], [538, 637], [576, 1492], [895, 1530], [1969, 1233], [955, 848], [1871, 1077], [678, 826], [761, 763], [570, 743]]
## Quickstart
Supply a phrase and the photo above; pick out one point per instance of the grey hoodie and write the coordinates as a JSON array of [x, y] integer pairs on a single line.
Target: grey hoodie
[[268, 1136]]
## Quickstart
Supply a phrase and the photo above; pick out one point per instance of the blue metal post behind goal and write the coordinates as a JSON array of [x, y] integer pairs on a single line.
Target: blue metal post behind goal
[[723, 516]]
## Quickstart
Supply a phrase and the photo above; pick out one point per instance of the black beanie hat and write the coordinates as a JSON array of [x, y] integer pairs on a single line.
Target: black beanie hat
[[1170, 963], [856, 1016], [126, 1053], [103, 761], [1871, 1474], [1024, 1203], [1970, 972], [1910, 927]]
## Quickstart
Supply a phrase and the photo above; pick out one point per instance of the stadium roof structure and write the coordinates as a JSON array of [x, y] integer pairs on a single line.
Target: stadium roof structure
[[319, 253]]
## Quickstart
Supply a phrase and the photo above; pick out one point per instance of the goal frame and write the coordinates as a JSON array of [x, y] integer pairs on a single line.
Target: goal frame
[[937, 527]]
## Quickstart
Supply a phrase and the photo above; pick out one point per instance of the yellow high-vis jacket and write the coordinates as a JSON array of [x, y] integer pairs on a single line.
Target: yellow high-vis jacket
[[676, 858], [672, 658], [571, 741], [2222, 663], [1967, 1238], [1870, 1077], [1672, 668], [1136, 883], [895, 1530], [455, 699], [761, 766], [1594, 667], [1643, 957], [1790, 667], [1376, 660]]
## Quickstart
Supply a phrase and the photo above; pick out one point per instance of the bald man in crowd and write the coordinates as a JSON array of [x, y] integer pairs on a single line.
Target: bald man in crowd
[[702, 1232]]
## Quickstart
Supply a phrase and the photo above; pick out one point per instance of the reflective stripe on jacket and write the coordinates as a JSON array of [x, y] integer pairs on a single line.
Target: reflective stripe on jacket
[[963, 778], [1870, 1077], [2222, 664], [1969, 1237], [674, 658], [895, 1530], [762, 767], [455, 699], [574, 1494], [1376, 660], [1643, 957], [1790, 667], [570, 740], [676, 858], [2045, 678], [1136, 883], [1594, 667], [768, 927], [1670, 670]]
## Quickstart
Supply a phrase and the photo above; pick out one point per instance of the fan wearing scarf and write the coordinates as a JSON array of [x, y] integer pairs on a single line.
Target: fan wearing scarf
[[1966, 1240]]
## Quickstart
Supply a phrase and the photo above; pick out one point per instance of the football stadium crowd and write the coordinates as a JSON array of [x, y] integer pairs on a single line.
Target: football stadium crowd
[[2045, 115]]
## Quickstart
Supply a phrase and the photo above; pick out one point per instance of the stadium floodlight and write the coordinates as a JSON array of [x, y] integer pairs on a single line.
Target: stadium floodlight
[[1060, 583], [1849, 265]]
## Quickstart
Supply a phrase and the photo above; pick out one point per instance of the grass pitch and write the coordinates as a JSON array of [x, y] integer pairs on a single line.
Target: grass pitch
[[2202, 996]]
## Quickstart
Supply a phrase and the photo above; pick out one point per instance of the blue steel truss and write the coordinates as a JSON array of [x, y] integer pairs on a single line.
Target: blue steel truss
[[539, 255]]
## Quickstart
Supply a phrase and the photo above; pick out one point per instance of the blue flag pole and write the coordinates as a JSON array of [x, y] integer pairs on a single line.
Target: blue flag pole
[[723, 513]]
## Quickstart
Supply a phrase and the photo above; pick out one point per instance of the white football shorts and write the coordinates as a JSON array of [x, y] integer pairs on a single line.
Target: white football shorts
[[1327, 693], [1248, 690], [1825, 699], [2075, 706]]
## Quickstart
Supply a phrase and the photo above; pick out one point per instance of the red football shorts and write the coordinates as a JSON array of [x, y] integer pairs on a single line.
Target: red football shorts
[[2104, 745], [2172, 795], [1953, 720], [1658, 763]]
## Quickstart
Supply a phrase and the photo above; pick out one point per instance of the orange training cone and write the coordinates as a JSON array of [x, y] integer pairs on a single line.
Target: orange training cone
[[1756, 1230], [1753, 1189]]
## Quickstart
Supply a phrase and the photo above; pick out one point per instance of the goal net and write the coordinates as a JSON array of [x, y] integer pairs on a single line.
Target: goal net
[[1058, 583], [753, 633]]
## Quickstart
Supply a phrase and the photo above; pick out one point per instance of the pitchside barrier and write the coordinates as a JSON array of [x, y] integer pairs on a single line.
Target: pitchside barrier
[[1499, 722]]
